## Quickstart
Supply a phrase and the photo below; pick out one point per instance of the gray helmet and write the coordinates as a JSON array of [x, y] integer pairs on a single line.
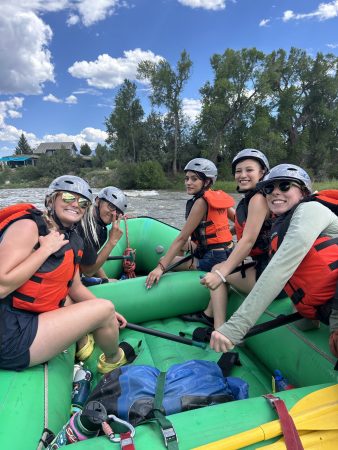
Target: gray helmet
[[71, 183], [115, 196], [250, 153], [204, 166], [287, 172]]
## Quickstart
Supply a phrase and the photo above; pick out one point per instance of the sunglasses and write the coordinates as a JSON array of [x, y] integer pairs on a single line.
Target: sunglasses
[[67, 197], [283, 186], [112, 208]]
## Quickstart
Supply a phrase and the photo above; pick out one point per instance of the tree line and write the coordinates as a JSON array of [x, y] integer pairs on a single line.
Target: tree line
[[283, 103]]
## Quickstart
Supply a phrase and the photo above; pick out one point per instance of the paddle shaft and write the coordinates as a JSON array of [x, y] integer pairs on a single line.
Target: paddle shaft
[[113, 258], [271, 324], [164, 335]]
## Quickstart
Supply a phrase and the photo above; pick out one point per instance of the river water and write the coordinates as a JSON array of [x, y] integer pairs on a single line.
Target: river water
[[167, 206]]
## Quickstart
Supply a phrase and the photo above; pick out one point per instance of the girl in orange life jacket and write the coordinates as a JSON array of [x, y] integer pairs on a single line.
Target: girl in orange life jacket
[[252, 226], [38, 270], [304, 238], [206, 222]]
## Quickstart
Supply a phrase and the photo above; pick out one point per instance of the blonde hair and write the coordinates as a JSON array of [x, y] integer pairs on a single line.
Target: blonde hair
[[87, 221]]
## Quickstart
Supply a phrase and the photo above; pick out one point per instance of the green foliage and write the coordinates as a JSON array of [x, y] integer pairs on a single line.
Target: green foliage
[[150, 175], [85, 150], [23, 148]]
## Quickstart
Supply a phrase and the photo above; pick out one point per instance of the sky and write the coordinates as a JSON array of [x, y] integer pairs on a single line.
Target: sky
[[63, 61]]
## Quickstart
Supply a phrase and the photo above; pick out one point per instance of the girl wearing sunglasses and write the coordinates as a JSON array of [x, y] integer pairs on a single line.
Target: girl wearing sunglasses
[[304, 259], [110, 206], [40, 254], [252, 226]]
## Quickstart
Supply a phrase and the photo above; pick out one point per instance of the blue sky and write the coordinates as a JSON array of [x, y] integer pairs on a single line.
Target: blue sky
[[63, 61]]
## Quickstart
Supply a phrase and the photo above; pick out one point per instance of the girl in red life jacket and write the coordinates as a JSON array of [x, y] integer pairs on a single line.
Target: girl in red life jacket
[[304, 262], [39, 257], [207, 225], [252, 226]]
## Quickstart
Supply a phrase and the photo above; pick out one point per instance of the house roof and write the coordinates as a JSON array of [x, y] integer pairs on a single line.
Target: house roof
[[44, 146]]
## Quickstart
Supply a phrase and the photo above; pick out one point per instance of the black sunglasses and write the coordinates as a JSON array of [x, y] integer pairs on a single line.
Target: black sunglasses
[[283, 186]]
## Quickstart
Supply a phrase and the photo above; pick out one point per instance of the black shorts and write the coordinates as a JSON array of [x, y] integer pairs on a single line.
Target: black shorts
[[17, 332]]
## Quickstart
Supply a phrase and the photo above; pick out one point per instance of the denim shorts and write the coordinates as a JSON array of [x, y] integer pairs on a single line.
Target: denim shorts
[[17, 332], [211, 258]]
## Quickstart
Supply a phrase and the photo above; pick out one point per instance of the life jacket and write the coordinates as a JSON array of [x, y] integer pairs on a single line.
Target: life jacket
[[214, 232], [314, 282], [261, 246], [48, 287]]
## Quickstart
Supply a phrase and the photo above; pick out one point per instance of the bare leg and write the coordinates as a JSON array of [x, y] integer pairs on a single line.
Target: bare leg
[[189, 265], [60, 328]]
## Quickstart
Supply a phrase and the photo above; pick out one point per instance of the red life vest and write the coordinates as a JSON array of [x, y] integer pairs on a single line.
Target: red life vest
[[314, 282], [214, 232], [48, 287], [261, 246]]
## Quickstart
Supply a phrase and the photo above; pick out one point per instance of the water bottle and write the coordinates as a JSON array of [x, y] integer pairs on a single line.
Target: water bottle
[[280, 382], [81, 388]]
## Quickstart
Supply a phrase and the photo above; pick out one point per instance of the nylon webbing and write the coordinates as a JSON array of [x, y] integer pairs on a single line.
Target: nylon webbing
[[168, 432]]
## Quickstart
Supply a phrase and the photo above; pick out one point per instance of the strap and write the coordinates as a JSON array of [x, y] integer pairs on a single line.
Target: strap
[[167, 429], [227, 361], [127, 442], [290, 433]]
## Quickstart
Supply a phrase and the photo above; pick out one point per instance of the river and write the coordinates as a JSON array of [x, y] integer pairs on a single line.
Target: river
[[167, 206]]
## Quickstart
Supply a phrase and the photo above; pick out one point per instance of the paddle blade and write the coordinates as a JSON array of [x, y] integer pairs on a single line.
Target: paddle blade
[[315, 440]]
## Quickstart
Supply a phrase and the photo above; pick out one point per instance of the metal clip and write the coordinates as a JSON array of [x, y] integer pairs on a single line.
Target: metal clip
[[272, 399], [128, 425], [169, 435]]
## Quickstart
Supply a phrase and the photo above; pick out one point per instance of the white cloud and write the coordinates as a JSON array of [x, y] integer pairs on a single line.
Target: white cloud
[[264, 22], [71, 100], [9, 108], [325, 11], [191, 108], [51, 98], [332, 45], [14, 114], [25, 61], [107, 72], [89, 135], [213, 5], [93, 11]]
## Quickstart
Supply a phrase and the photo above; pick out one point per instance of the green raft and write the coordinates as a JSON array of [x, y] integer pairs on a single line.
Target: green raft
[[40, 397]]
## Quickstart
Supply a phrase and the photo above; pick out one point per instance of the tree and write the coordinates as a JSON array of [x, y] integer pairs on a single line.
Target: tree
[[167, 87], [23, 148], [125, 123], [85, 150], [102, 156]]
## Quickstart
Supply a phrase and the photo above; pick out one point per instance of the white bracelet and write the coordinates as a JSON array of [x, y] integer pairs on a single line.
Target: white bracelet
[[220, 275]]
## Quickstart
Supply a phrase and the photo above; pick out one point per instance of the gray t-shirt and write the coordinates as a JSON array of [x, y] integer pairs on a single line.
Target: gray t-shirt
[[308, 221]]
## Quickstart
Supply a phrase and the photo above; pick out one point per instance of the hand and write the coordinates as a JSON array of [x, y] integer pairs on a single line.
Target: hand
[[333, 342], [154, 277], [220, 343], [211, 280], [115, 232], [122, 321], [53, 241]]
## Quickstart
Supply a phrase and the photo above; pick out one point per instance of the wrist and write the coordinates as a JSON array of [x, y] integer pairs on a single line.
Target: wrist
[[161, 266], [222, 277]]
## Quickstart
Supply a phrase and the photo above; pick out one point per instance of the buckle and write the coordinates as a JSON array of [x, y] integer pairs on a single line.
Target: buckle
[[169, 435], [272, 399]]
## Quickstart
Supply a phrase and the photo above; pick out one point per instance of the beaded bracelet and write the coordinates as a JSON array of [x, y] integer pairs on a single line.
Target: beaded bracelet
[[161, 266], [220, 275]]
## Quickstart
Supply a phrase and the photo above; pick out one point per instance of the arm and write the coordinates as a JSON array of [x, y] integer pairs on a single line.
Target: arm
[[114, 236], [196, 215], [308, 221], [19, 260], [231, 214], [258, 211]]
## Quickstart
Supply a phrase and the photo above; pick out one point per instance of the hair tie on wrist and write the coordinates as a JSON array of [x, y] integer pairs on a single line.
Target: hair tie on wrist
[[220, 275], [161, 266]]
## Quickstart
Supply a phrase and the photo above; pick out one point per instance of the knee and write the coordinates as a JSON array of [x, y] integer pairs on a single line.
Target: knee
[[107, 308]]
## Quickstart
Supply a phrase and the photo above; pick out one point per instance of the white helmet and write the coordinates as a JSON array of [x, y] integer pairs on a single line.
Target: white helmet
[[250, 153], [115, 196], [288, 172], [204, 166], [71, 183]]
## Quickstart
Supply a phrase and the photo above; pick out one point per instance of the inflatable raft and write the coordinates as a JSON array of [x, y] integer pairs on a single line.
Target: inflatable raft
[[40, 398]]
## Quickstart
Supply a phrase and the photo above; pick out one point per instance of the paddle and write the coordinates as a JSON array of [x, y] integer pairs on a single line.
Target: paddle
[[129, 257], [163, 335], [271, 324], [315, 411], [178, 263]]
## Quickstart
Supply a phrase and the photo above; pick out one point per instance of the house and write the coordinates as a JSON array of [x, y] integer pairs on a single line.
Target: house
[[18, 161], [49, 148]]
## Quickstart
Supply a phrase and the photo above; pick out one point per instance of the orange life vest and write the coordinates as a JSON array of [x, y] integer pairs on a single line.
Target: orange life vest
[[214, 232], [261, 246], [314, 282], [48, 287]]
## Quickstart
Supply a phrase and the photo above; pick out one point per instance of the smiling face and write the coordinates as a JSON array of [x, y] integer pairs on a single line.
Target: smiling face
[[279, 202], [193, 183], [248, 172], [68, 209], [108, 212]]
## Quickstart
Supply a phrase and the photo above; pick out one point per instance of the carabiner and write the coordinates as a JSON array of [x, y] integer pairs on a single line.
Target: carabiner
[[108, 431]]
